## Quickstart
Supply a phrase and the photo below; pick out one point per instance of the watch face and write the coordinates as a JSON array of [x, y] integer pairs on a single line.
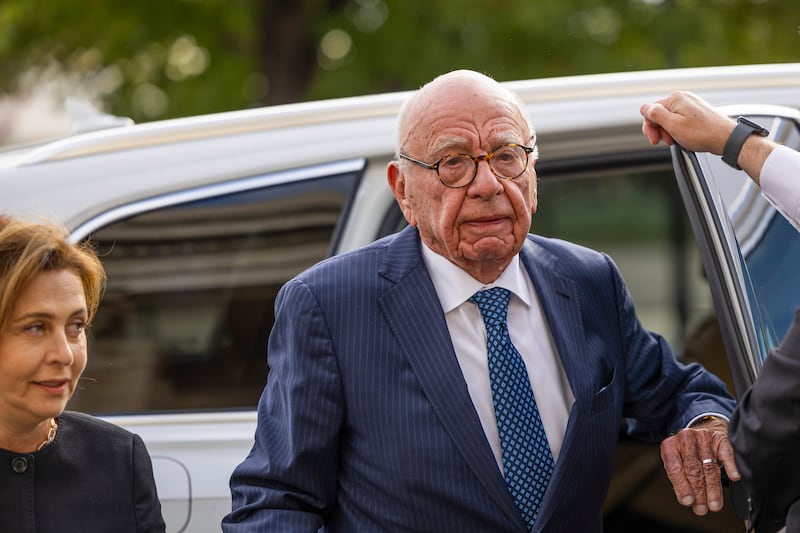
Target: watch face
[[758, 130]]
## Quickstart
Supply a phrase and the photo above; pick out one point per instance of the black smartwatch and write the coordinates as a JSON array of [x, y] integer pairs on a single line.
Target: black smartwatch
[[744, 128]]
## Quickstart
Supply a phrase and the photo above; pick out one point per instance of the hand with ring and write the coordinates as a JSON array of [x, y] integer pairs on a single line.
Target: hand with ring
[[693, 459]]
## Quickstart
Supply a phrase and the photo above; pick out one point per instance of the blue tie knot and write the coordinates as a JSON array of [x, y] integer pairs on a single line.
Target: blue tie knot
[[493, 304]]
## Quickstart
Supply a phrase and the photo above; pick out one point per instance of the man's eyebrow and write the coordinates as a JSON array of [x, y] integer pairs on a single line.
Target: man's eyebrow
[[460, 144], [449, 144]]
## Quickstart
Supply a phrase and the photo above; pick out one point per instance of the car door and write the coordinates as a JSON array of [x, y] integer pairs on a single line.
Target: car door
[[750, 252]]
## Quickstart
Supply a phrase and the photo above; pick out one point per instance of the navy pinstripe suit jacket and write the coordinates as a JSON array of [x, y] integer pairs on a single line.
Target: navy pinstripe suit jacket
[[366, 423]]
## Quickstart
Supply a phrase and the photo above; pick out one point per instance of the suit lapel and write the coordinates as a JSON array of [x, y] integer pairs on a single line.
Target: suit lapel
[[560, 303], [561, 307], [415, 316]]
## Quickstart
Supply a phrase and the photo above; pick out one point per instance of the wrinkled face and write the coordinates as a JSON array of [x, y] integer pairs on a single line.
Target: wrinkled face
[[42, 349], [479, 227]]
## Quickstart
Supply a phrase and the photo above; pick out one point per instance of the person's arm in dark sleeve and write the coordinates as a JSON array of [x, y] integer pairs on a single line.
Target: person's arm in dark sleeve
[[288, 481], [765, 433]]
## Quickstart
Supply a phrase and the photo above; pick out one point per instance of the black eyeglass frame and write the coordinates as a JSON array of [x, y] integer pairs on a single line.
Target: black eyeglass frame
[[486, 157]]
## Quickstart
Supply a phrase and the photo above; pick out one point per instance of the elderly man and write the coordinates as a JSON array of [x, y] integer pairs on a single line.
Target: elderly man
[[463, 375]]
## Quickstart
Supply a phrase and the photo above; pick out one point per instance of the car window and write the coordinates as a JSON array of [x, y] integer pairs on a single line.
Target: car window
[[632, 211], [752, 250], [769, 246], [636, 216], [184, 320]]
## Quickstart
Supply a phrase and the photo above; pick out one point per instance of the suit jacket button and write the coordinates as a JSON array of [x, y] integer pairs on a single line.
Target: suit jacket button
[[19, 464]]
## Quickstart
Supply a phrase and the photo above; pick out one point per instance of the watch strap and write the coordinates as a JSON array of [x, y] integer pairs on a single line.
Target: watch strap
[[733, 146]]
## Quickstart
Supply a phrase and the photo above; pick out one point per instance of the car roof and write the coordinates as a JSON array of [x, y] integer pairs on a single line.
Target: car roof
[[575, 116], [603, 96]]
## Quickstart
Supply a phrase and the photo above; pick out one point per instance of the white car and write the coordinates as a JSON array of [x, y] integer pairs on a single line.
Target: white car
[[200, 221]]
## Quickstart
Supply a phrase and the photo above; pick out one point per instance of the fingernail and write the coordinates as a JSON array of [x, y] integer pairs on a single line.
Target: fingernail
[[714, 505], [700, 510], [687, 500]]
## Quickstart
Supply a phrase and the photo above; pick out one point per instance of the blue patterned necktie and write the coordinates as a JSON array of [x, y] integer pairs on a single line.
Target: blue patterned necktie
[[527, 459]]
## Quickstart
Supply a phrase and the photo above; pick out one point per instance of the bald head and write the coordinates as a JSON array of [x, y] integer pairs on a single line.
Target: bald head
[[465, 88]]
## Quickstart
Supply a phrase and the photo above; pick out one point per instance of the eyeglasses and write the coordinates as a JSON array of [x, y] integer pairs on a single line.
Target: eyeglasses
[[459, 170]]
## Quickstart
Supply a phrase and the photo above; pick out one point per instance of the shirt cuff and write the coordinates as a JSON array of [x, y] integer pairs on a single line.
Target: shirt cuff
[[780, 182], [701, 416]]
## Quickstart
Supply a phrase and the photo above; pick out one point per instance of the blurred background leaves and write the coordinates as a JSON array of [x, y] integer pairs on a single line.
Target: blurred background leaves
[[156, 59]]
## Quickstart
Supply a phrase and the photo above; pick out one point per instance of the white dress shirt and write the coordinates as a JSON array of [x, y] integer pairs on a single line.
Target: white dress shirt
[[529, 332], [780, 182]]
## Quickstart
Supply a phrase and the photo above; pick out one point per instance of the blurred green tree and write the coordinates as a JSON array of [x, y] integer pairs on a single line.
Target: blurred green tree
[[153, 59]]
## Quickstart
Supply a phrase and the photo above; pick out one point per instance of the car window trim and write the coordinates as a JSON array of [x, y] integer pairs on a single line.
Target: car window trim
[[203, 192], [723, 269]]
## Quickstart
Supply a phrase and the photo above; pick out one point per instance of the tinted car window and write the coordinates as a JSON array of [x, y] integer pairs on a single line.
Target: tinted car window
[[769, 246], [637, 217], [189, 303], [757, 245]]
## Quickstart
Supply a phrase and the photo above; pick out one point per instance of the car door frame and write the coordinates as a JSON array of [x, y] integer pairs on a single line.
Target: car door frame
[[720, 252]]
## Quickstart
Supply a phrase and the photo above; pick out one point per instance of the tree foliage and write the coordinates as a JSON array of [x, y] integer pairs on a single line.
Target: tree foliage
[[153, 59]]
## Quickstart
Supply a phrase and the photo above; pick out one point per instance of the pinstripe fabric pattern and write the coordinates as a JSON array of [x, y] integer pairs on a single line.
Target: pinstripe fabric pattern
[[366, 423]]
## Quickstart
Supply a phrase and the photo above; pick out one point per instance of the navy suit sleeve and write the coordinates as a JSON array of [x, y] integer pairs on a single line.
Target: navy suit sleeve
[[765, 433], [662, 395], [288, 481]]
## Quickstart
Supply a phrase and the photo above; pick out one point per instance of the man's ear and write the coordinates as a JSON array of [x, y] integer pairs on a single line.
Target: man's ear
[[397, 183]]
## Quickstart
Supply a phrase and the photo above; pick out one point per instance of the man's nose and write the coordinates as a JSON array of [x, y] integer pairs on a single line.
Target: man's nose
[[485, 182]]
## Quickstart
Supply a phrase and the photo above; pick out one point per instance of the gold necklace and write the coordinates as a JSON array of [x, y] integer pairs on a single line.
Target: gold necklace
[[51, 434]]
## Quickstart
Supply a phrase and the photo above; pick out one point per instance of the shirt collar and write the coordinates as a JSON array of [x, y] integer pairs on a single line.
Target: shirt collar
[[454, 286]]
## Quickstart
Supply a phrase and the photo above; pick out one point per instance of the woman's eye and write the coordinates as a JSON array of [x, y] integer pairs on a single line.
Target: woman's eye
[[34, 328], [77, 327]]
